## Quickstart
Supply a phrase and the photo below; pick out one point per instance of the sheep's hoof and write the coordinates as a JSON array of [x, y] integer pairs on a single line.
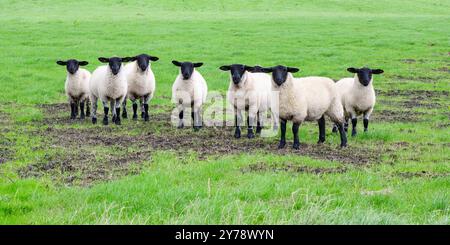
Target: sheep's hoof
[[196, 128], [251, 135], [142, 114], [282, 144], [105, 121], [354, 133], [335, 129], [82, 116], [124, 115], [296, 146], [365, 130], [343, 145], [146, 118], [72, 117], [180, 126], [94, 120], [237, 134], [320, 142], [118, 122], [258, 130], [135, 117]]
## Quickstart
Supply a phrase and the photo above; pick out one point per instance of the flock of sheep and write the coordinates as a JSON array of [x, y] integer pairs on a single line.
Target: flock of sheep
[[251, 90]]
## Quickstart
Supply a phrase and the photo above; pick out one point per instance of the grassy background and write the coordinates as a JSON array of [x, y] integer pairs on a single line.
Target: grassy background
[[410, 41]]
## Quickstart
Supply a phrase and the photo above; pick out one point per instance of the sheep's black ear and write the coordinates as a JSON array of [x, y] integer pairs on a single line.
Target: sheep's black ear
[[61, 63], [153, 58], [83, 63], [128, 59], [292, 69], [225, 68], [377, 71], [176, 63], [103, 59], [267, 70], [198, 64], [352, 70]]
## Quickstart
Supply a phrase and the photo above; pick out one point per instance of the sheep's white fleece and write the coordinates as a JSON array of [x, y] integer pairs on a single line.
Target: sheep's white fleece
[[308, 98], [77, 85], [140, 83], [356, 98], [191, 91], [253, 93], [106, 86]]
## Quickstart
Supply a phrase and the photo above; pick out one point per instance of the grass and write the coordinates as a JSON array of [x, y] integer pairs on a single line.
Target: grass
[[405, 181]]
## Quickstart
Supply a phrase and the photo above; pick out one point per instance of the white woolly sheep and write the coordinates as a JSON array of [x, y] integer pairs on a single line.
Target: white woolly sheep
[[77, 86], [141, 84], [189, 90], [250, 92], [109, 83], [357, 96], [306, 99]]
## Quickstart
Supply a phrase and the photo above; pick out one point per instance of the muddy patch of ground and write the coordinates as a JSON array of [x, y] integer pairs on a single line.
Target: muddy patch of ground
[[421, 174], [6, 152], [396, 116], [422, 93], [290, 167], [93, 153]]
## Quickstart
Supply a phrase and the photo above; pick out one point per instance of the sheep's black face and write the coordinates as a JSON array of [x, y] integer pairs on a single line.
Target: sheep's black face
[[115, 63], [187, 68], [365, 74], [143, 60], [237, 71], [279, 73], [72, 65]]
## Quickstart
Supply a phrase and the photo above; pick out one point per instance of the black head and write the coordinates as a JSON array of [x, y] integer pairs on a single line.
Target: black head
[[365, 74], [187, 68], [72, 65], [143, 60], [114, 63], [237, 71], [279, 73], [257, 69]]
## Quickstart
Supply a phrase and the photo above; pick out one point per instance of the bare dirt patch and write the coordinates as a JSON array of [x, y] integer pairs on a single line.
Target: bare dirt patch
[[397, 116], [93, 153], [290, 167], [421, 174], [6, 152]]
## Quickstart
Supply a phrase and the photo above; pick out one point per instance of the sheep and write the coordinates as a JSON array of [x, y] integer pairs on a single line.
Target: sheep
[[306, 99], [109, 83], [77, 86], [189, 89], [357, 96], [141, 84], [249, 92]]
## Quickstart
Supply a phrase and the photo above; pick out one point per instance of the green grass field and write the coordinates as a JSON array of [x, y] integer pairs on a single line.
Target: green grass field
[[55, 171]]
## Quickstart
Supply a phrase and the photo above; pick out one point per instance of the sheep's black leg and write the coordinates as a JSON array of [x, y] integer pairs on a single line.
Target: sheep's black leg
[[346, 125], [135, 106], [88, 107], [124, 111], [258, 123], [342, 134], [117, 112], [354, 122], [296, 144], [142, 108], [180, 123], [82, 115], [283, 134], [321, 123], [366, 124], [105, 118], [94, 110], [146, 115], [237, 119], [76, 109], [250, 122], [72, 110]]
